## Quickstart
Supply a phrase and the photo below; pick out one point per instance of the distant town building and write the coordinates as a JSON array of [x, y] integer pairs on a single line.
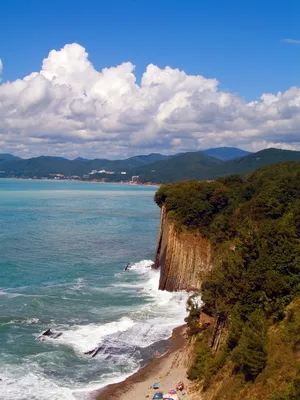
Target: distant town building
[[102, 171], [58, 176]]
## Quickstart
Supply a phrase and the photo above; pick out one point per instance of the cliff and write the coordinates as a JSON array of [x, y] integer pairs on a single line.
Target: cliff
[[183, 257], [245, 338]]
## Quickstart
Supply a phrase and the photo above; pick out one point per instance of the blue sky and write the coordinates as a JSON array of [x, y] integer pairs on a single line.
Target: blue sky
[[241, 44], [237, 42]]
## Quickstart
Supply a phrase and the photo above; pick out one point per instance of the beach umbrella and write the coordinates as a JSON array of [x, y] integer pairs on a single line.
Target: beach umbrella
[[158, 396]]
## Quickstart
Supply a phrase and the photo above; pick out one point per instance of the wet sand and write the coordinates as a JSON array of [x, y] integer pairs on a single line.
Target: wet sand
[[167, 370]]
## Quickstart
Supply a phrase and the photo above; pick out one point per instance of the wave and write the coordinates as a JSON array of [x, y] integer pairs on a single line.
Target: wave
[[148, 323], [27, 321], [28, 382], [83, 338], [125, 344]]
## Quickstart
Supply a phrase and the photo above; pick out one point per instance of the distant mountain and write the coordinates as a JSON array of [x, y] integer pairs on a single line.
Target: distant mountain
[[226, 153], [193, 165], [151, 158], [151, 168], [46, 166], [256, 160], [41, 166], [8, 157], [81, 159], [198, 165], [133, 161]]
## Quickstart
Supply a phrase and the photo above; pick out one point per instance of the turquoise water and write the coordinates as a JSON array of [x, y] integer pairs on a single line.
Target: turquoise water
[[63, 247]]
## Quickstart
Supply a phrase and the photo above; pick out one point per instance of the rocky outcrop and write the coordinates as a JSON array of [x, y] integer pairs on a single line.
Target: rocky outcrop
[[220, 333], [183, 257]]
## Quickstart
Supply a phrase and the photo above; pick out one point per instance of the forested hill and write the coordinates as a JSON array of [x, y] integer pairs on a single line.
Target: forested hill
[[193, 165], [8, 157], [253, 223], [154, 168], [226, 153], [203, 167], [45, 166]]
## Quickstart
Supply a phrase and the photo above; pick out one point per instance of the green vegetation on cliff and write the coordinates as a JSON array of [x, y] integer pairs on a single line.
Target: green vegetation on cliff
[[253, 223], [280, 378]]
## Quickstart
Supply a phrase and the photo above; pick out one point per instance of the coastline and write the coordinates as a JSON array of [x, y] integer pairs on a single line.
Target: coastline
[[150, 184], [167, 369]]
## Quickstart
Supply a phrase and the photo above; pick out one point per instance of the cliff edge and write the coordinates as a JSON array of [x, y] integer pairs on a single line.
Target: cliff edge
[[182, 256]]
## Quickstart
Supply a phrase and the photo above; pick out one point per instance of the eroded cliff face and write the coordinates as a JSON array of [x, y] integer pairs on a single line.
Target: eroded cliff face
[[183, 257]]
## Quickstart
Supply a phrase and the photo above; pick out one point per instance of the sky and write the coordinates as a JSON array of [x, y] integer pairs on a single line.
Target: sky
[[123, 77]]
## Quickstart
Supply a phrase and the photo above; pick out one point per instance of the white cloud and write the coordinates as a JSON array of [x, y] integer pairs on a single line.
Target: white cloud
[[291, 41], [69, 108]]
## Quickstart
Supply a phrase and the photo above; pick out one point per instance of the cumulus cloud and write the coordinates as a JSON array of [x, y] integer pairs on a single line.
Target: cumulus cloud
[[69, 108]]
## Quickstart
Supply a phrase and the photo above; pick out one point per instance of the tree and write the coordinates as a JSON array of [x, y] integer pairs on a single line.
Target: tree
[[250, 355]]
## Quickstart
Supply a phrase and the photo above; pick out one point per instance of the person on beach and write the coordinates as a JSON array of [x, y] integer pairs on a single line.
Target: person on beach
[[180, 386]]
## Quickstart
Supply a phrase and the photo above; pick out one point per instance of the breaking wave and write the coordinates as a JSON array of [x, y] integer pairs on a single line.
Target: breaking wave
[[124, 344]]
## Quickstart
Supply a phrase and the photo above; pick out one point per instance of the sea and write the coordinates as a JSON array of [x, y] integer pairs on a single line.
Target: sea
[[63, 249]]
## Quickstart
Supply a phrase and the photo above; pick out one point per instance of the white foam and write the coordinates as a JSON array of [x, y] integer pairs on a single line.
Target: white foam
[[83, 338], [28, 321], [164, 310], [147, 323], [141, 267], [78, 284], [27, 382], [11, 295]]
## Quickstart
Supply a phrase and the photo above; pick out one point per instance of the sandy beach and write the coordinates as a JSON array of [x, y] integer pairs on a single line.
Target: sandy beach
[[167, 370]]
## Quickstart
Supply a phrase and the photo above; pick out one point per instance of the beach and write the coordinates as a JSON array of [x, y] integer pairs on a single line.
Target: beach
[[167, 370]]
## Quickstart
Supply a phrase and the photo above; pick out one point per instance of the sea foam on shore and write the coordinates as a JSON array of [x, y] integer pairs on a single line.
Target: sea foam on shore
[[127, 343]]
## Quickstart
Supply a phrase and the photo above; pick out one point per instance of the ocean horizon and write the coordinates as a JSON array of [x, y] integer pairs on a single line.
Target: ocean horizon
[[64, 246]]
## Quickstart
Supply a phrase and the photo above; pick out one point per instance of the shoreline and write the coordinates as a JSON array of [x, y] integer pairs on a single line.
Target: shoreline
[[155, 185], [138, 385]]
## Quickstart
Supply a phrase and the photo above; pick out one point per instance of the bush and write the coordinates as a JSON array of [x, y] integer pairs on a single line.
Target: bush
[[202, 356]]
